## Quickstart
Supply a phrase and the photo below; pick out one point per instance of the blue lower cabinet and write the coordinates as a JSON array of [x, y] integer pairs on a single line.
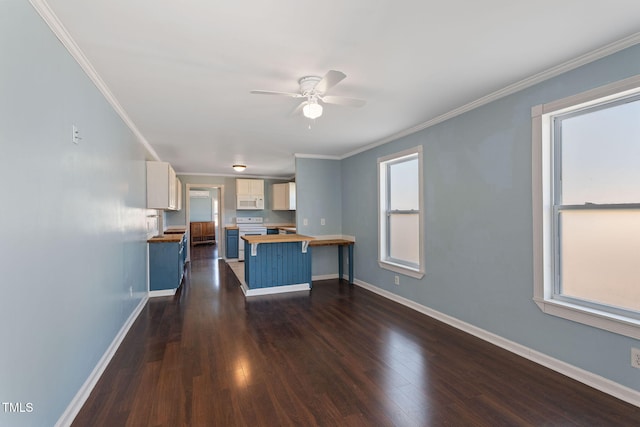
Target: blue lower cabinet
[[277, 264], [166, 265], [232, 243]]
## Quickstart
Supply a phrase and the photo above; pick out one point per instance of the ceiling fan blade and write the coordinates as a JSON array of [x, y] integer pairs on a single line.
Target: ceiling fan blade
[[270, 92], [298, 109], [341, 100], [329, 80]]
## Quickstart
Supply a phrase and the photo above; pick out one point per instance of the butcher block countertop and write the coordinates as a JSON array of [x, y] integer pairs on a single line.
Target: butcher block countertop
[[166, 238], [230, 227], [331, 242], [175, 230], [276, 238]]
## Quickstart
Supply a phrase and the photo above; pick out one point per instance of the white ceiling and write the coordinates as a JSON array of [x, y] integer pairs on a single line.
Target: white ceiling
[[182, 70]]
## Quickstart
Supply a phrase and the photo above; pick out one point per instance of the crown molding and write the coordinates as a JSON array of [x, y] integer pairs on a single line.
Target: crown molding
[[50, 18], [511, 89], [317, 156], [223, 175]]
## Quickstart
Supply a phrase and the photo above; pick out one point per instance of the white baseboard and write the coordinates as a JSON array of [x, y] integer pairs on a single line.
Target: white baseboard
[[274, 289], [162, 293], [325, 277], [605, 385], [83, 394]]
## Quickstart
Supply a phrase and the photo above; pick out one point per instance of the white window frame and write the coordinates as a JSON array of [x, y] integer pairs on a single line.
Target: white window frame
[[383, 259], [542, 198]]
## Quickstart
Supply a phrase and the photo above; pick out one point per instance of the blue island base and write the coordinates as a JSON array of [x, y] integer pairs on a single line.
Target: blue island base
[[277, 268]]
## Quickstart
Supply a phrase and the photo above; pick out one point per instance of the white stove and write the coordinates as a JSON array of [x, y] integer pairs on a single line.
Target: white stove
[[249, 226]]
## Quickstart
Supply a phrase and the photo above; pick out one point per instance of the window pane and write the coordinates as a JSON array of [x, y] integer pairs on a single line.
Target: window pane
[[600, 250], [404, 237], [600, 156], [403, 185]]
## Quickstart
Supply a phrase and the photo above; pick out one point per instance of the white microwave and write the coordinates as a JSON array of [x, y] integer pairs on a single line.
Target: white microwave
[[250, 202]]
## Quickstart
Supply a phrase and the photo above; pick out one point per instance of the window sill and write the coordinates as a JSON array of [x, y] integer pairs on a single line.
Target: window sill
[[588, 316], [416, 274]]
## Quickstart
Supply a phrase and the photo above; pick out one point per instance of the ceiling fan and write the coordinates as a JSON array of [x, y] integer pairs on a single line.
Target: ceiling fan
[[314, 90]]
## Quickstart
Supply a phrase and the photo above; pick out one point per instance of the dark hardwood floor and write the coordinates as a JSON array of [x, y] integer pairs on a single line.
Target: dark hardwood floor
[[339, 356]]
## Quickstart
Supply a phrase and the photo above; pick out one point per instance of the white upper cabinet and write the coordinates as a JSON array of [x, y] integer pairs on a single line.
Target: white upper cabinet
[[162, 186], [249, 194], [178, 194], [284, 196], [250, 187]]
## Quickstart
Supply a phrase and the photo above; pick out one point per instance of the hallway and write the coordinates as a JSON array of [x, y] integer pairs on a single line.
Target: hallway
[[339, 356]]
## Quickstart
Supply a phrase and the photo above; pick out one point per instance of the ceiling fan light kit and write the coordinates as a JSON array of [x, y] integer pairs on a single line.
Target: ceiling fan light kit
[[312, 110], [314, 89]]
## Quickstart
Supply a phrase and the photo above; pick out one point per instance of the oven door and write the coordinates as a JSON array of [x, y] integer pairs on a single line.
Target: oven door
[[242, 242]]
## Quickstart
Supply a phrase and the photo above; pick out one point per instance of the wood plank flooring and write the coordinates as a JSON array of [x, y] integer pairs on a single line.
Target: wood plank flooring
[[340, 356]]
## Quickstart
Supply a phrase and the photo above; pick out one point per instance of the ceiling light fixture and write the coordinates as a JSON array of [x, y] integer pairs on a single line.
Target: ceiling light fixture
[[312, 110], [239, 168]]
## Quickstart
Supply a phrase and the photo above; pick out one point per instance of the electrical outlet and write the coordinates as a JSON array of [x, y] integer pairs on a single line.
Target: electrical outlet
[[635, 357], [322, 221], [305, 221], [75, 134], [396, 280]]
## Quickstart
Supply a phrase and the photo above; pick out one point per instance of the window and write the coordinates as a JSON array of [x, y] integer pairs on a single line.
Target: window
[[400, 246], [587, 207]]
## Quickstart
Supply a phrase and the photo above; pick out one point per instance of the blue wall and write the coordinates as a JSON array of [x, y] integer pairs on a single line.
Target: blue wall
[[477, 189], [201, 208], [74, 238], [319, 195]]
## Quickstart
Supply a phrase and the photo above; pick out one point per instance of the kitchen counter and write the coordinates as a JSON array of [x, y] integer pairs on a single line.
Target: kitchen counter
[[230, 227], [167, 257], [340, 243], [175, 230], [277, 263], [289, 229], [276, 238], [166, 238]]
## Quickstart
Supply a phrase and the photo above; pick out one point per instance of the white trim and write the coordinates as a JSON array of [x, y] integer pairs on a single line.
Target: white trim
[[542, 205], [397, 268], [274, 289], [384, 263], [605, 385], [598, 319], [82, 395], [234, 176], [50, 18], [317, 156], [162, 293], [221, 240], [325, 277], [509, 90]]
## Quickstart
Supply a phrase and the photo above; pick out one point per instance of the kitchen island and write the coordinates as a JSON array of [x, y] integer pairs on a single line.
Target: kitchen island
[[276, 263]]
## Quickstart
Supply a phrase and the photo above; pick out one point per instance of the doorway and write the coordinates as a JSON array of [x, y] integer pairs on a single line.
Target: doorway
[[205, 205]]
